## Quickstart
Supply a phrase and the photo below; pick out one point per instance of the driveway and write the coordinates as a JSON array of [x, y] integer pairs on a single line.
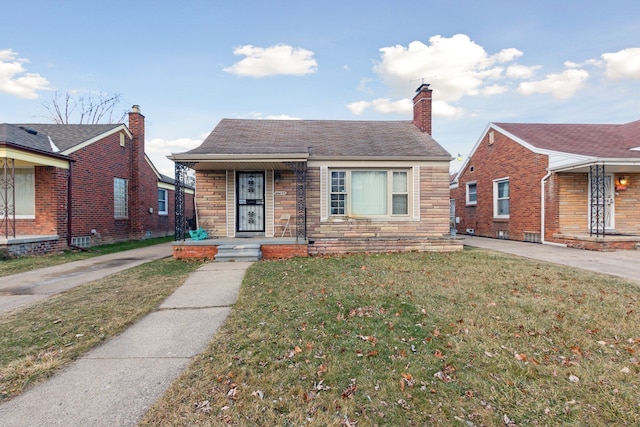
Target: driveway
[[31, 286], [625, 264]]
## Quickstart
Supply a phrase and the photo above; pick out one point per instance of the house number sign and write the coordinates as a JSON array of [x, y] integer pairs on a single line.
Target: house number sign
[[280, 193]]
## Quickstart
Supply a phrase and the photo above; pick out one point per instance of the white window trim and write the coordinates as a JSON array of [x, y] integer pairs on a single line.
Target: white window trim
[[495, 197], [466, 194], [166, 202], [325, 173]]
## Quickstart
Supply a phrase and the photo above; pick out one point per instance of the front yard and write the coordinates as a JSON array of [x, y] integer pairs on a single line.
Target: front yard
[[473, 338]]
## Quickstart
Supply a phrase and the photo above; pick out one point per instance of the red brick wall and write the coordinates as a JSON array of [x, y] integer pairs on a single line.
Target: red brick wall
[[50, 204], [283, 251], [93, 172], [194, 251], [502, 159]]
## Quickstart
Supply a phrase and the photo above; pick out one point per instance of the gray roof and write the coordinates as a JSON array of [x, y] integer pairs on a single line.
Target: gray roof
[[321, 138], [26, 137], [68, 136]]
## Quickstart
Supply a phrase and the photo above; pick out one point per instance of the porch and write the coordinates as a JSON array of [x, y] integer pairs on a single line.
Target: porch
[[30, 244], [269, 247]]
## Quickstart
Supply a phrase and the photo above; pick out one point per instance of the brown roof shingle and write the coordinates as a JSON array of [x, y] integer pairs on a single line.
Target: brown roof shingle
[[597, 140], [321, 138]]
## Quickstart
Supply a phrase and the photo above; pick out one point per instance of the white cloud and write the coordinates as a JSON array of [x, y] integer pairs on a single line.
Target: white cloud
[[623, 64], [382, 105], [274, 60], [494, 90], [455, 67], [521, 72], [561, 85], [15, 81], [158, 149]]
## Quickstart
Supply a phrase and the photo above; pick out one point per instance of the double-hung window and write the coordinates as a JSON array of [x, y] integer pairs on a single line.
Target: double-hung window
[[472, 193], [369, 193], [120, 198], [163, 205], [501, 198]]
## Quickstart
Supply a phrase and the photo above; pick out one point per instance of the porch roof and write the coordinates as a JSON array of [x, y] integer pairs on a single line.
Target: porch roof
[[29, 147]]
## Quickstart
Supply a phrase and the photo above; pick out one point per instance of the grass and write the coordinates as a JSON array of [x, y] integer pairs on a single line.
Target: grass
[[474, 338], [37, 341], [32, 262]]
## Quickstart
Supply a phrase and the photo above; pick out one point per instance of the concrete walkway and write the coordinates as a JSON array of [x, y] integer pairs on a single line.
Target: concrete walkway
[[116, 383], [625, 264], [32, 286]]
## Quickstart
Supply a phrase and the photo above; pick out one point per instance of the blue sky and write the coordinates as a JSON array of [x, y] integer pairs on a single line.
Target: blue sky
[[188, 64]]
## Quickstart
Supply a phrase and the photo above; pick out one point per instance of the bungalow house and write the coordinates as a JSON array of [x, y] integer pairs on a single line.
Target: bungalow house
[[65, 185], [308, 187], [572, 184]]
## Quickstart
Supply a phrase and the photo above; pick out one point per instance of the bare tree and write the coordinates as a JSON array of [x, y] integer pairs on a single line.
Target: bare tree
[[84, 108]]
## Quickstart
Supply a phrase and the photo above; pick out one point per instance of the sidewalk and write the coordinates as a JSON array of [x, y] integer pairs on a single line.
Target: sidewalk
[[116, 383], [625, 264]]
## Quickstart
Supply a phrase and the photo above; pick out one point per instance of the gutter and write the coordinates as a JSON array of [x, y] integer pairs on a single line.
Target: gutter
[[543, 213]]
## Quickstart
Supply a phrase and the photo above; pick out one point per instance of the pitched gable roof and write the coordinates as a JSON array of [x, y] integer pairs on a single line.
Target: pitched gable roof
[[593, 140], [68, 136], [321, 139]]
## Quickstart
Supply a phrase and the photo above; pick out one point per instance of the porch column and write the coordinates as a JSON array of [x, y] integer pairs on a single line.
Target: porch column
[[180, 218], [8, 197], [300, 169], [598, 201]]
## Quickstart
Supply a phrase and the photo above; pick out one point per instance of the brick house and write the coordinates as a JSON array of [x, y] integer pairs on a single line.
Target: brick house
[[572, 184], [80, 185], [336, 186]]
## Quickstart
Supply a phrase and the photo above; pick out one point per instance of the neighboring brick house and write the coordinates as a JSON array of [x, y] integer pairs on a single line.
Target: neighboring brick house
[[342, 186], [80, 185], [571, 184]]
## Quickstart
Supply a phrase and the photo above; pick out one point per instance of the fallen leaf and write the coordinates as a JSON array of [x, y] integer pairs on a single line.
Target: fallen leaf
[[204, 406], [443, 377], [258, 393], [521, 356], [349, 391], [403, 403], [438, 354]]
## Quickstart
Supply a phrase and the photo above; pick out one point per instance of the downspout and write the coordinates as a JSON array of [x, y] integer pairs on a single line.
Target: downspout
[[543, 213], [69, 207], [70, 210]]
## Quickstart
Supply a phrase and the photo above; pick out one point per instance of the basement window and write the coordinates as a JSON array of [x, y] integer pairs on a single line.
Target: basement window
[[81, 241]]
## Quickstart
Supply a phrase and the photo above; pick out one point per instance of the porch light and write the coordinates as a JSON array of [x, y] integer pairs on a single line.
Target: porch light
[[622, 180]]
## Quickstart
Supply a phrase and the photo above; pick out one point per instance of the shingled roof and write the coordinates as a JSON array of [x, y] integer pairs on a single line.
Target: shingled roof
[[25, 137], [66, 136], [593, 140], [321, 139]]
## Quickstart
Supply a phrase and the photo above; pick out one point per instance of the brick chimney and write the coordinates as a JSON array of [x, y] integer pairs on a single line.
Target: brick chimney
[[422, 108], [136, 126]]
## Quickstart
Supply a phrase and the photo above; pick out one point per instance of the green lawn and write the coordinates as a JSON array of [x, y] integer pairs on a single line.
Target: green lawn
[[474, 338]]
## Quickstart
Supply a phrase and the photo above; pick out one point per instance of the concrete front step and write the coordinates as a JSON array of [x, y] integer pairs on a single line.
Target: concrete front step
[[248, 252]]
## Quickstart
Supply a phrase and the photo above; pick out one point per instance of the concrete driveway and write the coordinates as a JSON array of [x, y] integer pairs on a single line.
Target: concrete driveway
[[625, 264], [31, 286]]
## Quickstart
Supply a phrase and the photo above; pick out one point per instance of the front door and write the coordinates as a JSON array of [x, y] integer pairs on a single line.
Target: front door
[[250, 209], [602, 209]]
